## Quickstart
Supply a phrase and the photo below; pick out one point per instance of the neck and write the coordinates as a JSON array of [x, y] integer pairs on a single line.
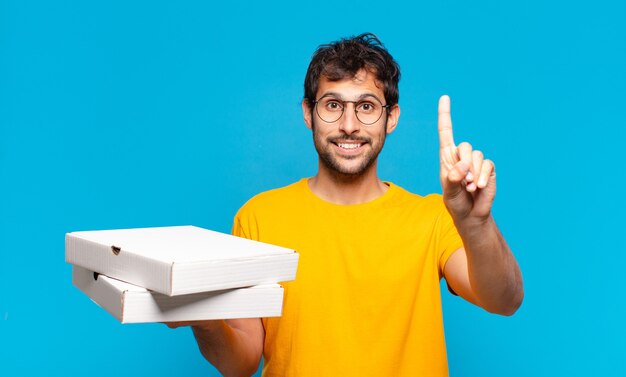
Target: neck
[[344, 189]]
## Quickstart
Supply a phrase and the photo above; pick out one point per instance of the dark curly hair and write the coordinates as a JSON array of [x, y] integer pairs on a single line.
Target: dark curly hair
[[344, 58]]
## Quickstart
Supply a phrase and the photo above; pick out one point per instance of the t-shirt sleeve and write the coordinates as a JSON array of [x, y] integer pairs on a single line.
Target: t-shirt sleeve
[[449, 239], [237, 228], [244, 224]]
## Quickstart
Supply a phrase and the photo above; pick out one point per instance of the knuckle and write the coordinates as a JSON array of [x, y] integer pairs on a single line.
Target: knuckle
[[465, 145], [461, 167]]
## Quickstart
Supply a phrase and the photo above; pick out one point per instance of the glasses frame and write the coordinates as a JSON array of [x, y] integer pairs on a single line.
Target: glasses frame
[[343, 109]]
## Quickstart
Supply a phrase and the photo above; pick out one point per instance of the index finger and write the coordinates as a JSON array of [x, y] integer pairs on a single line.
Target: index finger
[[446, 138]]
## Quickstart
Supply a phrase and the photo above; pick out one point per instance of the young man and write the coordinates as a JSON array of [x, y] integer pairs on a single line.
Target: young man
[[366, 300]]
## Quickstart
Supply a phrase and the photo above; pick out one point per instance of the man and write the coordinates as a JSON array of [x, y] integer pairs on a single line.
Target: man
[[366, 300]]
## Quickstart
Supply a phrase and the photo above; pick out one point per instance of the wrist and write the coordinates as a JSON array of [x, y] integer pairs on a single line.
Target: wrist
[[472, 227], [208, 328]]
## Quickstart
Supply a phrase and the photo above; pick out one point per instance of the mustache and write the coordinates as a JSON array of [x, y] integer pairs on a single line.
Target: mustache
[[336, 139]]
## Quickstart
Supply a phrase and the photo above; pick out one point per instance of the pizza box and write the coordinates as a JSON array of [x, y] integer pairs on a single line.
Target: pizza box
[[132, 304], [180, 260]]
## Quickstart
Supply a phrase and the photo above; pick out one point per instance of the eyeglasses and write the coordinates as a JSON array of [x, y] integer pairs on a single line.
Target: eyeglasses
[[368, 111]]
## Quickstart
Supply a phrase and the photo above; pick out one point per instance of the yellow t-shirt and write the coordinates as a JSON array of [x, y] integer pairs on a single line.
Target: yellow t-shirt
[[366, 299]]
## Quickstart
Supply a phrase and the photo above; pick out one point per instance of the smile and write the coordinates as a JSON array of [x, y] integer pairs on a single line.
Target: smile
[[349, 145]]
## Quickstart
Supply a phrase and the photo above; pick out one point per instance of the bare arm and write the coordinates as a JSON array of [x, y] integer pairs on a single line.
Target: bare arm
[[484, 271], [233, 346]]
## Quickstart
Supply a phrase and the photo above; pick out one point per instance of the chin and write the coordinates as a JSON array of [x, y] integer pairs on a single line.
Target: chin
[[354, 170]]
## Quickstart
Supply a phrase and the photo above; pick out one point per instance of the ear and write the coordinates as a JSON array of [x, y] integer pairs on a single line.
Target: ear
[[307, 113], [392, 118]]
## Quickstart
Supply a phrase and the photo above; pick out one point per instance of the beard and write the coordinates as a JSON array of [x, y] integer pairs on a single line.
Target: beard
[[336, 165]]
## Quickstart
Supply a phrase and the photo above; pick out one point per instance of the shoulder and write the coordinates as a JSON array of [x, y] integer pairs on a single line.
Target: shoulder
[[268, 210], [273, 199]]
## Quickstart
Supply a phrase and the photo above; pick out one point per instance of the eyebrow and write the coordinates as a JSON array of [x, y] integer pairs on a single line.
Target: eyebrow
[[359, 98]]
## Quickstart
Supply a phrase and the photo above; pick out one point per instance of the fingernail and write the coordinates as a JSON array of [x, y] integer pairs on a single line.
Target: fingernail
[[469, 177]]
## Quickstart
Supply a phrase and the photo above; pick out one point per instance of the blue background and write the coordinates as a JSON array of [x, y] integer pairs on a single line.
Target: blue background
[[131, 114]]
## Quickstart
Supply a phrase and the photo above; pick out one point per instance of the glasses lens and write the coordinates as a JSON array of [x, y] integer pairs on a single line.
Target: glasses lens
[[368, 111], [329, 109]]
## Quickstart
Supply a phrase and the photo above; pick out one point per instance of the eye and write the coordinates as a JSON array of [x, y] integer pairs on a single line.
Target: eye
[[333, 105], [366, 107]]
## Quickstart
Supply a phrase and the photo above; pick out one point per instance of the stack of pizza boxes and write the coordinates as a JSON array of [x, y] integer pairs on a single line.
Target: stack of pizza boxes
[[181, 273]]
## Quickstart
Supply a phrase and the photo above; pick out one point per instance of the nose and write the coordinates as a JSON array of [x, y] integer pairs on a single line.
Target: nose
[[349, 123]]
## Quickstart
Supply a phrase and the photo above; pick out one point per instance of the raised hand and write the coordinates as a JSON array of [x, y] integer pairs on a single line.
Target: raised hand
[[467, 179]]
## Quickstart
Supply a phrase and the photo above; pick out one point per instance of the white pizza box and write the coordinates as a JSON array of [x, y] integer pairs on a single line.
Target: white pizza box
[[180, 259], [132, 304]]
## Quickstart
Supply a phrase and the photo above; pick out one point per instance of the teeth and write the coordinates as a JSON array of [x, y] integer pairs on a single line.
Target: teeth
[[348, 145]]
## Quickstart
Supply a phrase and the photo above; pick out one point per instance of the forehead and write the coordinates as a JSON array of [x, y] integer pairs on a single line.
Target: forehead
[[352, 87]]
